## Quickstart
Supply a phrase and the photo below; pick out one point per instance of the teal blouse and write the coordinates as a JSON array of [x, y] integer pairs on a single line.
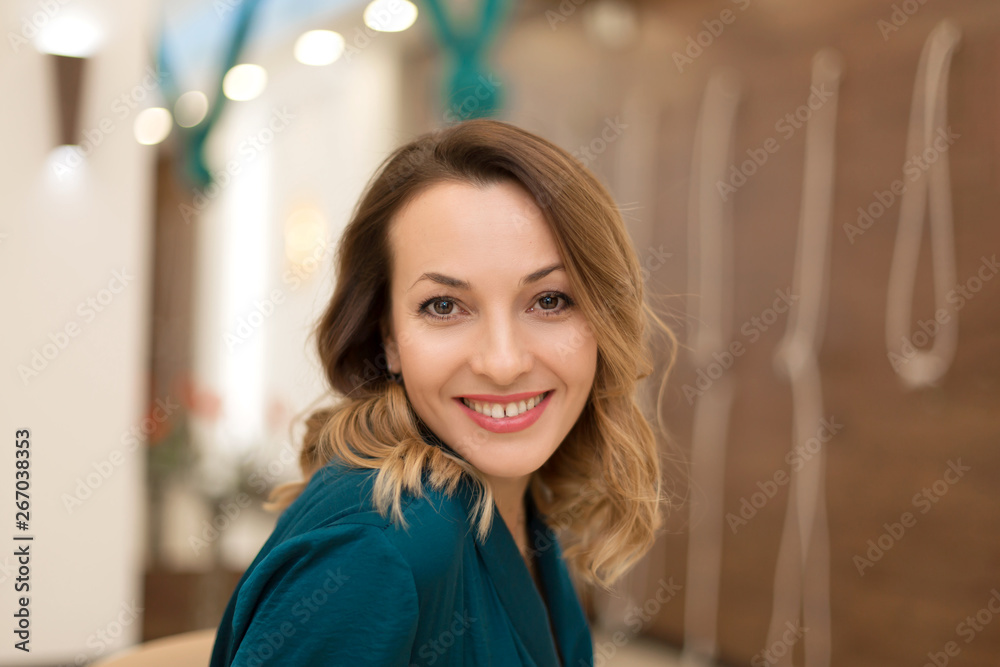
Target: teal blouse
[[338, 584]]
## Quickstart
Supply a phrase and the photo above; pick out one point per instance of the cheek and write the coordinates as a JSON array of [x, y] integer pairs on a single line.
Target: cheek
[[576, 347], [427, 360], [421, 348]]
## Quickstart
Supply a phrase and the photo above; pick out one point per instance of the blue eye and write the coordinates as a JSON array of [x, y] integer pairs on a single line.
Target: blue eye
[[548, 303]]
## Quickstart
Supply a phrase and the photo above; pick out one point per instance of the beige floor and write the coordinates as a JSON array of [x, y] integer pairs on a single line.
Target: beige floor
[[636, 652]]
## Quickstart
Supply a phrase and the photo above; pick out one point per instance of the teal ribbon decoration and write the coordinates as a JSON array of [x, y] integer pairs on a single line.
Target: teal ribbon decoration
[[192, 140], [472, 90]]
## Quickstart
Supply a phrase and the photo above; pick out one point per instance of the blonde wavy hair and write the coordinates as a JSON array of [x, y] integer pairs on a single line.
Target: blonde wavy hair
[[602, 488]]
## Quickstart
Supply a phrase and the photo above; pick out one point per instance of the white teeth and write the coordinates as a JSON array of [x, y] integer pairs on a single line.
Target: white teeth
[[498, 411]]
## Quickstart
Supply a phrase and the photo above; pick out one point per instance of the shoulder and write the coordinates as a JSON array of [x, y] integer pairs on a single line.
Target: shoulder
[[333, 559], [339, 500], [437, 533], [347, 579]]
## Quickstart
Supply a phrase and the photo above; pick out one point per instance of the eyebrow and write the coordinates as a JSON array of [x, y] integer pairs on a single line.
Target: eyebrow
[[465, 285]]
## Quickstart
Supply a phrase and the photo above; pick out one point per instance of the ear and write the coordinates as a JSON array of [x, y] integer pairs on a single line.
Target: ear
[[391, 347]]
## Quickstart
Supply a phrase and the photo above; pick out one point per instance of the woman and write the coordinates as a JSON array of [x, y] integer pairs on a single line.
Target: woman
[[487, 335]]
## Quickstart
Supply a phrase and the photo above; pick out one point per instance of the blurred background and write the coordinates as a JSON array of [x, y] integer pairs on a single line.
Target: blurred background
[[812, 189]]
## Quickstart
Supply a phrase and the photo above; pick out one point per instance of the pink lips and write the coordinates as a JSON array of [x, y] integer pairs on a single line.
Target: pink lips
[[507, 424]]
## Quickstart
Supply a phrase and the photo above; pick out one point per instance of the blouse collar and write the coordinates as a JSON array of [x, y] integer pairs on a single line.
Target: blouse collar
[[516, 587]]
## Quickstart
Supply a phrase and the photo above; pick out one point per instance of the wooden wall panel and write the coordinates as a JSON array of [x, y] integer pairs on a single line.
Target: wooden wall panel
[[893, 442]]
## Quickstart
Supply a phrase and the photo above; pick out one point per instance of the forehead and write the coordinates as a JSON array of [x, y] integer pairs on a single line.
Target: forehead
[[464, 230]]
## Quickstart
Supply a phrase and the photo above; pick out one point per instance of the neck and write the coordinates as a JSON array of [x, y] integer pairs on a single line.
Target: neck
[[508, 494]]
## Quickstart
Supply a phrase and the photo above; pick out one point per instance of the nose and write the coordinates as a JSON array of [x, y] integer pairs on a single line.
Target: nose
[[502, 352]]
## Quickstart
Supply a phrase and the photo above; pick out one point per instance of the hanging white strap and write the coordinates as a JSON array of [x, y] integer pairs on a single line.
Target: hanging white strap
[[928, 120], [801, 579], [710, 286], [636, 158]]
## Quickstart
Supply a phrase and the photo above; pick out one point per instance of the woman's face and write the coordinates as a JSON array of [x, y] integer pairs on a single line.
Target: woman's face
[[478, 310]]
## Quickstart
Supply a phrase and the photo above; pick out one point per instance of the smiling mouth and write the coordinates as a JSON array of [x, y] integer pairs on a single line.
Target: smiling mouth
[[506, 410]]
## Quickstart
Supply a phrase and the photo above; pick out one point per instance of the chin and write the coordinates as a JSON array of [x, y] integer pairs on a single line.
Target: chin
[[512, 464], [501, 470]]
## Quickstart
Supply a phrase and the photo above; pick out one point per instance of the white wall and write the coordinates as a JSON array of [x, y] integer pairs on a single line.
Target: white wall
[[320, 133], [62, 239], [61, 243]]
